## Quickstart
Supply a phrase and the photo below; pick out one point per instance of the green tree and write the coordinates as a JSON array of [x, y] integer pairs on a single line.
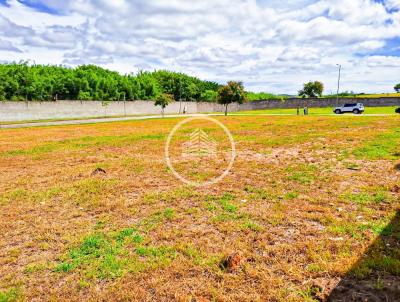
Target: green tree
[[209, 96], [233, 92], [2, 93], [21, 81], [255, 96], [312, 89], [194, 92], [397, 87], [84, 96], [163, 100]]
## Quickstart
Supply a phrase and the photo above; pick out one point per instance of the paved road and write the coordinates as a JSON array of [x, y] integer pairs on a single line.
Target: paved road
[[145, 117], [108, 120], [90, 121]]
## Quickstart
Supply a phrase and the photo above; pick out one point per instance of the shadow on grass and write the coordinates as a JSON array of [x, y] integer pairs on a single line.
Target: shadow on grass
[[376, 275]]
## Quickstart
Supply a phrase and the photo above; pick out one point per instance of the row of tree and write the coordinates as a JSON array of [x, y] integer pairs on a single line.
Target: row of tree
[[233, 92], [316, 88], [20, 81]]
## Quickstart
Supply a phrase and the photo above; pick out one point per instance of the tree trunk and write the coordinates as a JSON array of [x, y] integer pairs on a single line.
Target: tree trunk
[[226, 109], [162, 112]]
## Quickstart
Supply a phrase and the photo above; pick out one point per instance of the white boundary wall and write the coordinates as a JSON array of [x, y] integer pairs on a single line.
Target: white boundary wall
[[21, 111], [24, 111]]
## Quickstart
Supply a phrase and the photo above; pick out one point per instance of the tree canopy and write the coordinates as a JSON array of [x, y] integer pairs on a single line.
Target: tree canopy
[[256, 96], [20, 81], [397, 87], [312, 89], [163, 100], [233, 92]]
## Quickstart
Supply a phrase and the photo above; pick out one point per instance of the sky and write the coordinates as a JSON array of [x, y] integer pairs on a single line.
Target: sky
[[270, 45]]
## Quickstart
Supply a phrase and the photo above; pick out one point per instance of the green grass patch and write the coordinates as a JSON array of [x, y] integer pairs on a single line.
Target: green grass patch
[[302, 174], [224, 209], [251, 225], [221, 204], [156, 219], [109, 256], [225, 203], [356, 229], [258, 193], [383, 146], [353, 229], [16, 194], [384, 255], [87, 191], [169, 197], [10, 295], [290, 195], [366, 198], [35, 267], [169, 213], [377, 262]]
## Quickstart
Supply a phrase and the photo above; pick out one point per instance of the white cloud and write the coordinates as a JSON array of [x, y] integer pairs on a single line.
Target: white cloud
[[392, 4], [10, 29], [271, 45], [8, 46]]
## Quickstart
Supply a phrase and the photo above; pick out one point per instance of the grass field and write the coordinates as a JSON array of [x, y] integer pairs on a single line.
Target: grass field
[[379, 95], [310, 200], [318, 111], [71, 119], [371, 96]]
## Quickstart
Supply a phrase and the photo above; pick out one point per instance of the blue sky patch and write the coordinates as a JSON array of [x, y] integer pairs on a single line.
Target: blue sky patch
[[391, 48], [39, 6]]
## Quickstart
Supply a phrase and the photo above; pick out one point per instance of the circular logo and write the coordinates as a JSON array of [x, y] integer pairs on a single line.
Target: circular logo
[[198, 152]]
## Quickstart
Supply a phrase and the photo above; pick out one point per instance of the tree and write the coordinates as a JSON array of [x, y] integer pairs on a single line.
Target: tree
[[23, 81], [163, 100], [182, 86], [209, 96], [397, 87], [233, 92], [2, 93], [312, 89], [83, 96], [193, 92]]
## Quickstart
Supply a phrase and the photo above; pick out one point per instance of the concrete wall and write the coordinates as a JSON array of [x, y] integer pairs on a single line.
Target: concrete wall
[[18, 111], [294, 102]]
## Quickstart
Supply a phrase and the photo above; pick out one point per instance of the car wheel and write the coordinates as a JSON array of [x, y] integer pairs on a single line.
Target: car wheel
[[356, 111], [337, 111]]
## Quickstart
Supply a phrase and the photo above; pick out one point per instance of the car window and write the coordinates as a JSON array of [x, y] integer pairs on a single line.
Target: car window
[[349, 105]]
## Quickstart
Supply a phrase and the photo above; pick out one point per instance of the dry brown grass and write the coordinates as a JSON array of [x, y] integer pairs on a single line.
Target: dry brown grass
[[305, 199]]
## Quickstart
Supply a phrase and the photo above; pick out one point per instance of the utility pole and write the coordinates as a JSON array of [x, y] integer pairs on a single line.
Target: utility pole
[[338, 85]]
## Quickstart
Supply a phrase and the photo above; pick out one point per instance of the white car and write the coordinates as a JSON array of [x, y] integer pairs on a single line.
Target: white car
[[351, 108]]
